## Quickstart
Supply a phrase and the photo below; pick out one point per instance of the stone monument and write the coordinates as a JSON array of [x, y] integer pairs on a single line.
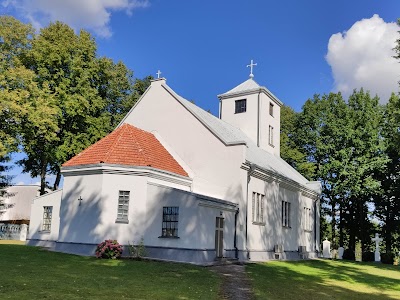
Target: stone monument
[[326, 248], [377, 240]]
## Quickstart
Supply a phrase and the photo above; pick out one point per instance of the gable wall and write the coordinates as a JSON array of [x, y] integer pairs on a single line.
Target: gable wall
[[215, 167]]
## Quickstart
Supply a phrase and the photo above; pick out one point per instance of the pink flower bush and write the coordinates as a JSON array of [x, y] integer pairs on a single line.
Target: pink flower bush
[[110, 249]]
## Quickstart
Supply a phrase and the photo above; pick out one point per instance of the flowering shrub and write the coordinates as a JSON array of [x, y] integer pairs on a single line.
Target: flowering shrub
[[110, 249]]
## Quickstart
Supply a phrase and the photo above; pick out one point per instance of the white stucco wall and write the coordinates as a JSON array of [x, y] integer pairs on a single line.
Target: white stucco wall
[[79, 222], [36, 217], [263, 237], [265, 121], [95, 219], [247, 121], [196, 220], [215, 167], [20, 196]]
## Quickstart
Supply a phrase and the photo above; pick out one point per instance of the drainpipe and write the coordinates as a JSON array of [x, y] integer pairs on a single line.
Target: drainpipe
[[251, 170], [235, 237], [220, 108], [258, 120], [315, 224]]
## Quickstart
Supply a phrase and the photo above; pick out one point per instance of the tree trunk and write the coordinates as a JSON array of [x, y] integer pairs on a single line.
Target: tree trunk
[[58, 178], [333, 223], [352, 227], [43, 170], [341, 225]]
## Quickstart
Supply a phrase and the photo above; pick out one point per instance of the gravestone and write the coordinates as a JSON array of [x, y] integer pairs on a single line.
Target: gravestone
[[377, 240], [326, 248], [341, 250]]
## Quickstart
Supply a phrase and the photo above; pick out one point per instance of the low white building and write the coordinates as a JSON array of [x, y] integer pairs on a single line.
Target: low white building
[[194, 186], [17, 203]]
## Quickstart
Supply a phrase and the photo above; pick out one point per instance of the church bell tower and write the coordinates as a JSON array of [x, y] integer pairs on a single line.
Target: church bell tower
[[255, 111]]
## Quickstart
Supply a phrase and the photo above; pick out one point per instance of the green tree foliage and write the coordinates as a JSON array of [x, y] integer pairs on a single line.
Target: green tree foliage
[[67, 96], [343, 142], [290, 151], [15, 86], [387, 202]]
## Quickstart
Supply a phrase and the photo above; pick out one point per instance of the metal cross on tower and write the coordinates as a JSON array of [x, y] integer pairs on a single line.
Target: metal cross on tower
[[251, 65], [158, 74]]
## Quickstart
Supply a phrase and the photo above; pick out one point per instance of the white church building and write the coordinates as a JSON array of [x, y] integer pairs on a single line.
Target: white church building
[[195, 187]]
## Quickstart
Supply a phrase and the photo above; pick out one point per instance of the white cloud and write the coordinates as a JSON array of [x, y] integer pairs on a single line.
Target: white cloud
[[363, 57], [89, 14]]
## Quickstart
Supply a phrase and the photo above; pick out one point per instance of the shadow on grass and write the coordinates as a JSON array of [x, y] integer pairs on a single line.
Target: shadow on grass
[[322, 279], [32, 273]]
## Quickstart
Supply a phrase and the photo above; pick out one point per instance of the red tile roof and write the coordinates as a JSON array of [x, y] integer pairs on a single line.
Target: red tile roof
[[128, 145]]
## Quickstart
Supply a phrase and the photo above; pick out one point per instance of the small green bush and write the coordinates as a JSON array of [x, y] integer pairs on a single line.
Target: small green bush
[[137, 251], [368, 256], [110, 249], [349, 254], [387, 258]]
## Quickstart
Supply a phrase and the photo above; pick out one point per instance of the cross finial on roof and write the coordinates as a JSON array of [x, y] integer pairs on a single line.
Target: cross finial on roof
[[251, 65], [158, 74]]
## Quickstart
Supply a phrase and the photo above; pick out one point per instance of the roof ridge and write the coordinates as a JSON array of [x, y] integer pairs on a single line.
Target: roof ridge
[[118, 132], [141, 147]]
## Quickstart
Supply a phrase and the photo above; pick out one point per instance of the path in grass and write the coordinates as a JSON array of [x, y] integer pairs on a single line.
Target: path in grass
[[235, 282], [324, 279], [31, 273]]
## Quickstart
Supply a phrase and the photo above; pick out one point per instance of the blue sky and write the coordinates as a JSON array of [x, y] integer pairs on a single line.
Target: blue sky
[[202, 47]]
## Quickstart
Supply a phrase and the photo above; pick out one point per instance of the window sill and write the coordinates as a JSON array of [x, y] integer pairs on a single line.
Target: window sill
[[259, 223], [122, 221], [271, 145], [169, 237], [44, 231], [287, 227], [308, 230]]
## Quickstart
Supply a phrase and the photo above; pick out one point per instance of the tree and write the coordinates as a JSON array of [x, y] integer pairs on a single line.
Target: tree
[[15, 85], [343, 140], [387, 201], [290, 151], [70, 97]]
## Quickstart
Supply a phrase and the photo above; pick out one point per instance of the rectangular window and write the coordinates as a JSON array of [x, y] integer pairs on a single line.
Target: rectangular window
[[47, 214], [123, 207], [307, 219], [271, 136], [240, 106], [285, 214], [271, 109], [258, 208], [170, 221]]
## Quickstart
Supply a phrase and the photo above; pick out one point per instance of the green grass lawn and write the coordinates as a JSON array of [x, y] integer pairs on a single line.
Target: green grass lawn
[[30, 273], [324, 279]]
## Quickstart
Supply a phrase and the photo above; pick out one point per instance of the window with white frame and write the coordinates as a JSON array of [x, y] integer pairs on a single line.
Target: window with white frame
[[307, 219], [271, 136], [123, 207], [285, 214], [170, 221], [258, 208], [47, 215]]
